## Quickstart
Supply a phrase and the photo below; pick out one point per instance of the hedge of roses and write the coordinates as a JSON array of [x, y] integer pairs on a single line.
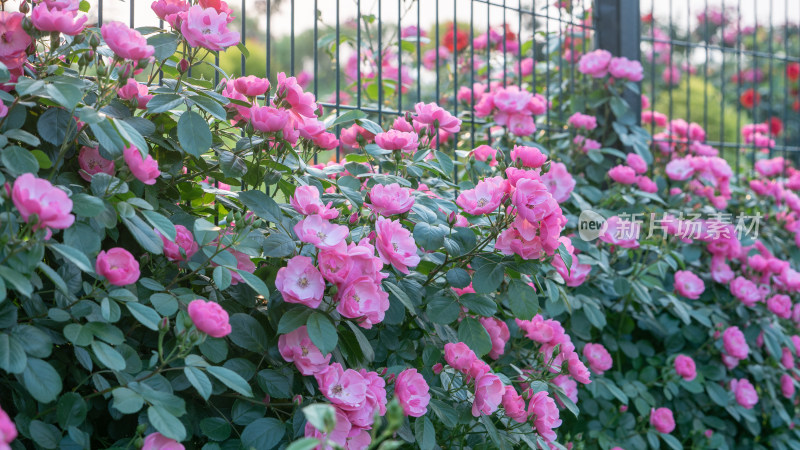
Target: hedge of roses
[[177, 271]]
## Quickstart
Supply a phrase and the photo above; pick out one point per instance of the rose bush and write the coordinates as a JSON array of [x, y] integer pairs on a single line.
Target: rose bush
[[178, 270]]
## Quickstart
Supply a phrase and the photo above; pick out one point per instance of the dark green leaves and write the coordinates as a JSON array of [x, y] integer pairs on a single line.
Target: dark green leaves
[[489, 273], [322, 332], [522, 300], [194, 133], [472, 333], [57, 125], [262, 205], [248, 333], [41, 380], [263, 433]]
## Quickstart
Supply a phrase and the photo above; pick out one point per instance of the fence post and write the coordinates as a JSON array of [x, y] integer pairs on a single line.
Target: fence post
[[617, 25]]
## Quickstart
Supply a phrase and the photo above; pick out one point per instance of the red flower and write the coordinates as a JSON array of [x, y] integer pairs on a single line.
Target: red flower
[[461, 38], [750, 98], [793, 71], [796, 105], [647, 18], [775, 126]]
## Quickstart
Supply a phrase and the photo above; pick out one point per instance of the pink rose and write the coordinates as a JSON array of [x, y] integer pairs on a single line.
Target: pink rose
[[8, 431], [302, 103], [577, 370], [397, 140], [745, 290], [207, 28], [485, 198], [745, 393], [622, 174], [582, 121], [125, 42], [184, 246], [545, 413], [430, 114], [340, 434], [459, 356], [636, 163], [685, 367], [157, 441], [346, 389], [306, 201], [363, 299], [598, 357], [620, 232], [118, 266], [559, 181], [267, 119], [720, 271], [533, 201], [688, 284], [251, 85], [321, 233], [787, 359], [489, 392], [781, 305], [411, 391], [16, 41], [297, 347], [646, 184], [514, 405], [243, 262], [37, 197], [787, 386], [734, 343], [210, 318], [301, 282], [498, 333], [144, 169], [54, 20], [395, 245], [595, 63], [661, 419], [569, 386], [531, 157], [625, 69], [671, 75], [390, 199], [375, 402], [168, 10], [680, 169], [485, 153]]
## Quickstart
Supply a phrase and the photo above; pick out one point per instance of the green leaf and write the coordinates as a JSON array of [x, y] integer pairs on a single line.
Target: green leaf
[[489, 273], [321, 416], [595, 316], [78, 334], [44, 434], [57, 125], [351, 188], [231, 379], [445, 162], [41, 380], [322, 332], [278, 245], [718, 394], [425, 433], [161, 223], [210, 106], [522, 300], [348, 117], [370, 126], [569, 404], [262, 205], [565, 256], [18, 281], [248, 333], [199, 380], [127, 401], [12, 355], [363, 342], [472, 333], [74, 256], [108, 356], [146, 315], [144, 235], [163, 102], [215, 428], [479, 304], [264, 433], [130, 134], [165, 45], [194, 134], [222, 277], [71, 410], [672, 441], [19, 160], [443, 310], [256, 283], [275, 383], [430, 237], [402, 296], [458, 278], [303, 444], [165, 423], [293, 319], [66, 95]]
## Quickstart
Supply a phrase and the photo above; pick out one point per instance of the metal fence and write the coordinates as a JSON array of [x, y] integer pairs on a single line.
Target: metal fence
[[383, 56]]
